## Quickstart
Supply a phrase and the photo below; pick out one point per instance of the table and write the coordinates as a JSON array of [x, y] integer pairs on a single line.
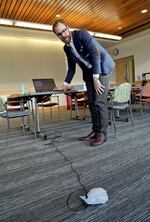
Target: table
[[35, 96]]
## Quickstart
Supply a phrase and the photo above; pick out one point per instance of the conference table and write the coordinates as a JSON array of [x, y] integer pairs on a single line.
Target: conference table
[[33, 97]]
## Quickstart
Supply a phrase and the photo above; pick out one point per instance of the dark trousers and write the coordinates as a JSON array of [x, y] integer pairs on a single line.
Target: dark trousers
[[98, 105]]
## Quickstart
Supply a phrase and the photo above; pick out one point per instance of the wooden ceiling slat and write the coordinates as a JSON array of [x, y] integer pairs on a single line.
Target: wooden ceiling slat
[[54, 10], [35, 10], [75, 15], [11, 8], [51, 14], [64, 9], [105, 22], [84, 16], [20, 10], [25, 9], [95, 15], [43, 13], [79, 11], [72, 7], [3, 8], [133, 30], [67, 13], [15, 9]]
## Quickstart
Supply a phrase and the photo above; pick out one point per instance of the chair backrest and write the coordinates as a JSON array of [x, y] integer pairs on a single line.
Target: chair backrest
[[43, 85], [16, 103], [146, 90], [122, 93], [2, 106]]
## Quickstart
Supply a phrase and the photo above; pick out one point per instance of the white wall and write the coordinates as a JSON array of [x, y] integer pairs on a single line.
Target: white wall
[[138, 46], [26, 54], [30, 54]]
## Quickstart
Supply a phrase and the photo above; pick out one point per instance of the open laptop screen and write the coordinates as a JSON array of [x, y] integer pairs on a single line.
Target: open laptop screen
[[43, 85]]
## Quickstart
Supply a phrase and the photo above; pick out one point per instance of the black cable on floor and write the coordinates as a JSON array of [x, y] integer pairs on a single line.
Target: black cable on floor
[[53, 143]]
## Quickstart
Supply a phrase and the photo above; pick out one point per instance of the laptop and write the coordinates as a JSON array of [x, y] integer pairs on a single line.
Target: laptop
[[44, 85]]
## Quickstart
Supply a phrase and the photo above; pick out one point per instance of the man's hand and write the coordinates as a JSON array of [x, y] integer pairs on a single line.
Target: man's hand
[[99, 88], [63, 87]]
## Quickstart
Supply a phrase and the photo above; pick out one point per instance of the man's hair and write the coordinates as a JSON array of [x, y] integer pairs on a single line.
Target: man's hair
[[57, 22]]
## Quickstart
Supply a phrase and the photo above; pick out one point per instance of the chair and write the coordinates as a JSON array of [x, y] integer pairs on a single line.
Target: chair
[[120, 100], [7, 114], [135, 96], [145, 95], [76, 100], [46, 85], [46, 101], [15, 103]]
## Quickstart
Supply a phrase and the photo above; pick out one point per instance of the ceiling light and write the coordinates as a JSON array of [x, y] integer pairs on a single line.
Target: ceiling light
[[6, 22], [33, 25], [72, 29], [91, 33], [57, 16], [119, 28], [49, 28], [107, 36], [144, 11]]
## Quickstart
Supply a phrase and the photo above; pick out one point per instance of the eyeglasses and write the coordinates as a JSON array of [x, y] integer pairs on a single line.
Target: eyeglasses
[[60, 33]]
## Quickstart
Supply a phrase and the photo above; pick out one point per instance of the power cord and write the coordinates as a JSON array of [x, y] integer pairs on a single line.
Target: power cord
[[52, 142]]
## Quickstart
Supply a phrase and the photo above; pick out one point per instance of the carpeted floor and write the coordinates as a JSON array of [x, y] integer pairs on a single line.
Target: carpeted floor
[[36, 179]]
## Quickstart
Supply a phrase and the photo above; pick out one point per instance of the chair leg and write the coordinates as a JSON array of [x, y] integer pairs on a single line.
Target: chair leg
[[33, 120], [25, 123], [114, 122], [142, 109], [58, 111], [28, 121], [70, 111], [58, 107], [51, 115], [8, 132], [43, 113], [131, 116], [23, 126], [84, 111]]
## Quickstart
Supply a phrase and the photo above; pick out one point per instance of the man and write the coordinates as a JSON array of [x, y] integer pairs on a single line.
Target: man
[[96, 65]]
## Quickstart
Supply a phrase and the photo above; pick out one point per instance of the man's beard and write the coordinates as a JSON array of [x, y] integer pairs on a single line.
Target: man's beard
[[67, 39]]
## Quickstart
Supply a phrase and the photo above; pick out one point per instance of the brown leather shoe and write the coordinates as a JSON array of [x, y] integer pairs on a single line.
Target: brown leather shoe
[[90, 136], [99, 140]]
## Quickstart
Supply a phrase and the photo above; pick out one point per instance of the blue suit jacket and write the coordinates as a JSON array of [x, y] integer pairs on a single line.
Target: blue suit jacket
[[90, 50]]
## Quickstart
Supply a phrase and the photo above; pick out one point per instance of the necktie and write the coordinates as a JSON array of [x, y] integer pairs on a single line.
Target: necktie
[[87, 64]]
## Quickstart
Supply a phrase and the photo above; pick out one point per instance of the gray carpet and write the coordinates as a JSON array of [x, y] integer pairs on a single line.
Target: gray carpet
[[35, 179]]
